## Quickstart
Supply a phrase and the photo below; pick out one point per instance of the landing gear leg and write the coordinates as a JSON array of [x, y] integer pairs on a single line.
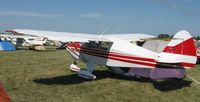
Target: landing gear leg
[[87, 74]]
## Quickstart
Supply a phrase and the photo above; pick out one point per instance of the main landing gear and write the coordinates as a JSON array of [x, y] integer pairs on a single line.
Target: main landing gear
[[87, 74]]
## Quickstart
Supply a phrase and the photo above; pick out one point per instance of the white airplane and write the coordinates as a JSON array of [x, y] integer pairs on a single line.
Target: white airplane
[[118, 54]]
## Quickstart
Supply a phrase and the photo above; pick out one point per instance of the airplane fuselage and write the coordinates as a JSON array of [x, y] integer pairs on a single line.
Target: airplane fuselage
[[115, 54]]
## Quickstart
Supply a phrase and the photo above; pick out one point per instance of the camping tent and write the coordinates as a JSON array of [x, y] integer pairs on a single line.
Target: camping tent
[[6, 46]]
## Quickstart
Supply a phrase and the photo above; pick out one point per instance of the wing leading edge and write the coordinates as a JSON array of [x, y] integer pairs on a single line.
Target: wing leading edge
[[78, 37]]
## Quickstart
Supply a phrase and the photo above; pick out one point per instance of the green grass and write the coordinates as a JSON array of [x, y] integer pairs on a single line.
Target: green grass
[[32, 76]]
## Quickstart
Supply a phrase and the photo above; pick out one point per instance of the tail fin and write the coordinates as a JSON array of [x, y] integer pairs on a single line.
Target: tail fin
[[181, 49], [182, 43]]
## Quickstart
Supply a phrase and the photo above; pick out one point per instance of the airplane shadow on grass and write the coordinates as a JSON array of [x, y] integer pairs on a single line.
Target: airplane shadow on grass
[[165, 85]]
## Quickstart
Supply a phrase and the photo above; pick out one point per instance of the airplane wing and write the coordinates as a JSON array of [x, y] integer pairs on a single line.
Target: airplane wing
[[77, 37]]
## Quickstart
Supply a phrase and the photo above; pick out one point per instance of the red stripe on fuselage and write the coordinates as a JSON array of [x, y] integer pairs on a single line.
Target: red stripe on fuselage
[[122, 58], [119, 59], [117, 55]]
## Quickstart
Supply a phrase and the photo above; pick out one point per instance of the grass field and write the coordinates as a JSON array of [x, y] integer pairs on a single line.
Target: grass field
[[31, 76]]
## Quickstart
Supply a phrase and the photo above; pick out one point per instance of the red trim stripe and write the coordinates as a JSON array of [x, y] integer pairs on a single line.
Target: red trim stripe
[[134, 62], [119, 59], [117, 55]]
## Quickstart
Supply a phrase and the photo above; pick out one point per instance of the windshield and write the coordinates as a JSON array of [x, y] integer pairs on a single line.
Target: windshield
[[102, 45]]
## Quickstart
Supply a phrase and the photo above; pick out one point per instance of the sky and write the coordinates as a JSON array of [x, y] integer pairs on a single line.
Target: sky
[[92, 16]]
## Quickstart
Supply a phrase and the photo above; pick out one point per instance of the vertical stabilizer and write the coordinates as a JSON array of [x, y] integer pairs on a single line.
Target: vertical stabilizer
[[181, 49]]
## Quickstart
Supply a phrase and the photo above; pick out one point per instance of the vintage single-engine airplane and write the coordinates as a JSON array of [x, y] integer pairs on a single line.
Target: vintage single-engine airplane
[[122, 57]]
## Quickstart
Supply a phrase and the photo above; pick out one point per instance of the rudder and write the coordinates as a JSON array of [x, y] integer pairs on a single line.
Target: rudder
[[181, 49]]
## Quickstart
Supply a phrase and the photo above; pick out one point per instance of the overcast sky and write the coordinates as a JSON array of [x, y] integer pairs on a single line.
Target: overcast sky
[[90, 16]]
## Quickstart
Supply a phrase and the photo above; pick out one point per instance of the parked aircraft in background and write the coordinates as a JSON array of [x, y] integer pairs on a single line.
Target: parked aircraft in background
[[117, 54], [25, 41]]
